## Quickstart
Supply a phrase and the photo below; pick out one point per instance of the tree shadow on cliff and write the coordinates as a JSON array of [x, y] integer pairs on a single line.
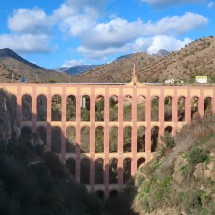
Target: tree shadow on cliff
[[29, 148], [33, 180]]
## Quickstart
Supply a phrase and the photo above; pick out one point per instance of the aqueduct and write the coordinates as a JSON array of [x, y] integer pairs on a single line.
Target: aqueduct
[[85, 110]]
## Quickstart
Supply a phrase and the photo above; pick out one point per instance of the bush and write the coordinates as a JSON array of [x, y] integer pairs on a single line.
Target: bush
[[168, 140], [196, 155]]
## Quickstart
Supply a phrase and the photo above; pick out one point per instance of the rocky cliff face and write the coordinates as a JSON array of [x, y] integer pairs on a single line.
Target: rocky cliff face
[[181, 177]]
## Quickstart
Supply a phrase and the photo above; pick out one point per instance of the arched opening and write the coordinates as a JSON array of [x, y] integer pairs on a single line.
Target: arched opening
[[141, 139], [85, 108], [85, 140], [12, 105], [85, 171], [194, 106], [127, 135], [56, 108], [168, 109], [113, 108], [126, 170], [99, 108], [167, 139], [113, 164], [127, 108], [26, 108], [99, 172], [113, 194], [25, 133], [140, 161], [113, 140], [70, 108], [100, 194], [168, 129], [155, 109], [154, 138], [70, 165], [41, 131], [207, 107], [56, 139], [70, 139], [141, 108], [181, 109], [41, 108], [99, 139]]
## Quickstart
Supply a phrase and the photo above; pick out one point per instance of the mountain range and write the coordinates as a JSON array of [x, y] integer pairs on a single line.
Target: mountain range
[[75, 70], [196, 58]]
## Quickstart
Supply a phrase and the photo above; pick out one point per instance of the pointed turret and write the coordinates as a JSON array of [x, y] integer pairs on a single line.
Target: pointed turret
[[134, 71], [134, 77], [134, 81]]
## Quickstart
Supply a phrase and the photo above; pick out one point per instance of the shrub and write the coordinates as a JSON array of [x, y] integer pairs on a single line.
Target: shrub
[[191, 201], [196, 155], [168, 140]]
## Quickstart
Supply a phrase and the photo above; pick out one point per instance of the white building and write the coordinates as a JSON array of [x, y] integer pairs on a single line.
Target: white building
[[170, 81], [201, 79]]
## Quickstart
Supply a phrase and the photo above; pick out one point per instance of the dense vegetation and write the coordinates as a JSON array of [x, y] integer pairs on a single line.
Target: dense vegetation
[[36, 182]]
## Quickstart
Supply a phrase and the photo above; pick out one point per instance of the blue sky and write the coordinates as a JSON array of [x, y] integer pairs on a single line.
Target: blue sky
[[61, 33]]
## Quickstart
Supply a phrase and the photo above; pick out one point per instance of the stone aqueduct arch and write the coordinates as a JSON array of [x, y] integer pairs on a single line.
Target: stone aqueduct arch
[[109, 158]]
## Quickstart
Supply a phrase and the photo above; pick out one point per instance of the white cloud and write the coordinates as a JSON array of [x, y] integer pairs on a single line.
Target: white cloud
[[26, 43], [166, 3], [30, 31], [113, 34], [95, 5], [74, 17], [176, 24], [211, 5], [71, 63], [140, 44], [119, 35], [64, 11], [30, 21], [101, 54], [78, 16], [168, 43], [72, 24]]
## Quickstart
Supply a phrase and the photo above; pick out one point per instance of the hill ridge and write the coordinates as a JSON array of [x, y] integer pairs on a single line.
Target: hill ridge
[[13, 68], [196, 58], [6, 52]]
